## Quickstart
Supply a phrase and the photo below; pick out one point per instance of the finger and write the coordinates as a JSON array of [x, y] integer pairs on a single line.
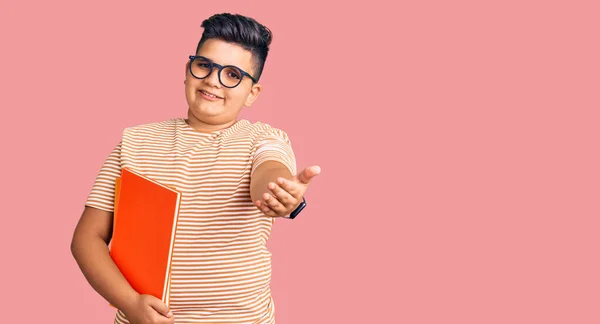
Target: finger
[[283, 196], [264, 208], [159, 319], [159, 306], [307, 174], [274, 204], [291, 187]]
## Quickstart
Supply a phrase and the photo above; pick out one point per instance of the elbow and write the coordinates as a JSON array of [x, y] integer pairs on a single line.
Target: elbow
[[83, 241], [77, 244], [74, 246]]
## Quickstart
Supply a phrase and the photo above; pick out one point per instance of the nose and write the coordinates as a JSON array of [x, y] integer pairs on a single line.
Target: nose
[[213, 78]]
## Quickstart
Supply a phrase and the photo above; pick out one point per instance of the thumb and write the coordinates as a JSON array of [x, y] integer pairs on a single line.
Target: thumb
[[159, 306], [307, 174]]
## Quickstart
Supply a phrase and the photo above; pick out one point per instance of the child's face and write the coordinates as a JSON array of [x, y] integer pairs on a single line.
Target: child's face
[[225, 109]]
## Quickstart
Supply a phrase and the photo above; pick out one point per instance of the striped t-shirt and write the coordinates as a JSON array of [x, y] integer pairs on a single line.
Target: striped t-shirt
[[221, 268]]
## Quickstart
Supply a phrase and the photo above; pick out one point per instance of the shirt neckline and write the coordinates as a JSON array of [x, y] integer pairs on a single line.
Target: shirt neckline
[[189, 128]]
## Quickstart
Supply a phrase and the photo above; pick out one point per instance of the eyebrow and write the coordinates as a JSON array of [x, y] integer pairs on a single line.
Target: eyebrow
[[248, 70], [214, 61]]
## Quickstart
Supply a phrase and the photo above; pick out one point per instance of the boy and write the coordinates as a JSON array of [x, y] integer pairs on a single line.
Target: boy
[[235, 177]]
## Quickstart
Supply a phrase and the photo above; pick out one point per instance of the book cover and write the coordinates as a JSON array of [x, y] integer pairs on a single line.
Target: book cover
[[144, 224]]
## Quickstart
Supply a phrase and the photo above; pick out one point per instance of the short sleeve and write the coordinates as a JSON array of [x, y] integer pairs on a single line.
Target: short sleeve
[[274, 145], [103, 191]]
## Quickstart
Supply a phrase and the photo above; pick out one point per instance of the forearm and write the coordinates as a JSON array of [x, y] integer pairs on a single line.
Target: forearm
[[101, 272], [262, 177]]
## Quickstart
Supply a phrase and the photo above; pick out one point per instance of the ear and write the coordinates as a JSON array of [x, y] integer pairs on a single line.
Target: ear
[[187, 67], [254, 92]]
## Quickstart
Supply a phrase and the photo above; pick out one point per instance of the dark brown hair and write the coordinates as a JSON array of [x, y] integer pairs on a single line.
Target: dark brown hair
[[243, 31]]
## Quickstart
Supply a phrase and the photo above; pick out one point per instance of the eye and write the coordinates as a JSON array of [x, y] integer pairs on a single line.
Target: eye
[[233, 75]]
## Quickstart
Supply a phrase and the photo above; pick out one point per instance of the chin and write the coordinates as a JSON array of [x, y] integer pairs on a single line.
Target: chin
[[201, 105], [208, 115]]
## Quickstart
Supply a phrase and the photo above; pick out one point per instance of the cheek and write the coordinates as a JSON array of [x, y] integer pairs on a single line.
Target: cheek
[[236, 97], [190, 85]]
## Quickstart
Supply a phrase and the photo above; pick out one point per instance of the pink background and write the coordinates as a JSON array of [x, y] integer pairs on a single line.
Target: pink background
[[458, 142]]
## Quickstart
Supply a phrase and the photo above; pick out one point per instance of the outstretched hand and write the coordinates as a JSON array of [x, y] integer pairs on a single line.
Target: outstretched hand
[[286, 195]]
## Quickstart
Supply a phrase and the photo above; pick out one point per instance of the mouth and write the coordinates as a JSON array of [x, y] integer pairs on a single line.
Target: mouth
[[209, 96]]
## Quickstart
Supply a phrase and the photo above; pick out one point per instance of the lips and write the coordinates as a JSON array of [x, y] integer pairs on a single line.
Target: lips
[[210, 95]]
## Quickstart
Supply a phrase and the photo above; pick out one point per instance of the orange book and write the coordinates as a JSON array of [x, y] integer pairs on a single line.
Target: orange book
[[144, 223]]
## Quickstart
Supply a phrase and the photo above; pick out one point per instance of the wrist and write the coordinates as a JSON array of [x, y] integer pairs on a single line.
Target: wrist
[[298, 209], [129, 302]]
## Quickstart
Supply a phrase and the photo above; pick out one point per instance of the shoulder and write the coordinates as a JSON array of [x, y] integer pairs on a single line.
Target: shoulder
[[261, 130], [154, 129], [154, 126]]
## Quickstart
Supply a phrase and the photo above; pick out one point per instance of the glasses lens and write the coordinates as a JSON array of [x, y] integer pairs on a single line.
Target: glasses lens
[[200, 67], [231, 76]]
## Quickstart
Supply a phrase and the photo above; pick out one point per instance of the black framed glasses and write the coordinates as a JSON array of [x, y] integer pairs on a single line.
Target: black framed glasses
[[230, 76]]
